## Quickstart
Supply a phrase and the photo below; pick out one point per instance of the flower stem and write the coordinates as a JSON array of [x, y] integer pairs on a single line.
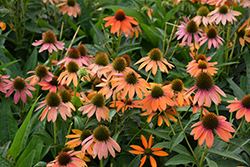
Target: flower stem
[[70, 127], [149, 75], [101, 163], [203, 156], [123, 112], [55, 136], [118, 44], [217, 111], [50, 62]]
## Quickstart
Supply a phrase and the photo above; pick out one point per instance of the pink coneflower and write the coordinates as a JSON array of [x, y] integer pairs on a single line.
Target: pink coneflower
[[210, 124], [69, 6], [103, 142], [84, 54], [153, 61], [41, 73], [66, 99], [70, 74], [21, 87], [222, 2], [223, 14], [96, 105], [242, 106], [101, 60], [67, 159], [53, 103], [201, 64], [245, 3], [3, 82], [51, 1], [49, 42], [52, 85], [202, 16], [212, 37], [206, 90], [188, 30]]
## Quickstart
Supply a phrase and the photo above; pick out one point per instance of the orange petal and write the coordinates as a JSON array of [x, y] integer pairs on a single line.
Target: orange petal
[[137, 147], [136, 152], [144, 141], [143, 161], [160, 153], [152, 161]]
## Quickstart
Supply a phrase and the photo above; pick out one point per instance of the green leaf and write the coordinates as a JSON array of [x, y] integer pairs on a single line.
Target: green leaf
[[98, 32], [179, 148], [7, 64], [247, 61], [236, 89], [5, 162], [28, 160], [176, 140], [112, 113], [135, 162], [128, 50], [4, 148], [180, 159], [211, 163], [78, 122], [30, 65], [158, 77], [150, 38], [22, 134], [172, 12], [226, 64], [76, 102], [158, 133], [224, 163], [7, 121], [227, 154]]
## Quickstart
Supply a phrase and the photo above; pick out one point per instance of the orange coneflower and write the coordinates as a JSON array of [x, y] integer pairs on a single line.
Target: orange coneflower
[[210, 124], [153, 60], [206, 90], [163, 115], [103, 142], [95, 105], [3, 25], [158, 98], [101, 60], [242, 32], [106, 88], [201, 64], [120, 23], [130, 84], [69, 6], [242, 106], [148, 151], [125, 104], [202, 16], [70, 74]]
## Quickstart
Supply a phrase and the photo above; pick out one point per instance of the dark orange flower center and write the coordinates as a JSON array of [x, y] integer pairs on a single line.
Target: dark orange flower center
[[223, 9], [131, 78], [155, 54], [120, 15], [41, 71], [53, 100], [157, 92], [19, 83], [166, 83], [200, 57], [98, 100], [85, 133], [82, 49], [203, 11], [246, 101], [101, 59], [129, 101], [54, 81], [71, 3], [191, 27], [210, 121], [64, 159], [202, 64], [101, 133], [148, 151], [212, 33], [204, 81], [128, 60], [49, 37], [177, 85], [65, 95], [72, 67], [74, 53], [119, 64]]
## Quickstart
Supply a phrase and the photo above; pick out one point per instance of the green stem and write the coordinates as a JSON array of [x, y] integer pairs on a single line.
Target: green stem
[[203, 156], [217, 111], [123, 113], [55, 136], [70, 127], [164, 38], [118, 44], [149, 75], [172, 130], [77, 86], [101, 162], [50, 62]]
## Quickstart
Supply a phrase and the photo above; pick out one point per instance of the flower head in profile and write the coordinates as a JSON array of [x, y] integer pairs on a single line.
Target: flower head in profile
[[158, 98], [53, 103], [201, 64], [202, 16], [243, 107], [51, 1], [66, 98], [188, 31], [210, 124], [96, 105], [21, 87], [101, 60], [120, 23], [3, 82], [206, 90], [103, 142], [68, 159], [69, 6], [212, 37], [86, 58], [41, 73], [148, 151], [153, 61], [49, 42], [125, 104], [223, 14], [130, 84]]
